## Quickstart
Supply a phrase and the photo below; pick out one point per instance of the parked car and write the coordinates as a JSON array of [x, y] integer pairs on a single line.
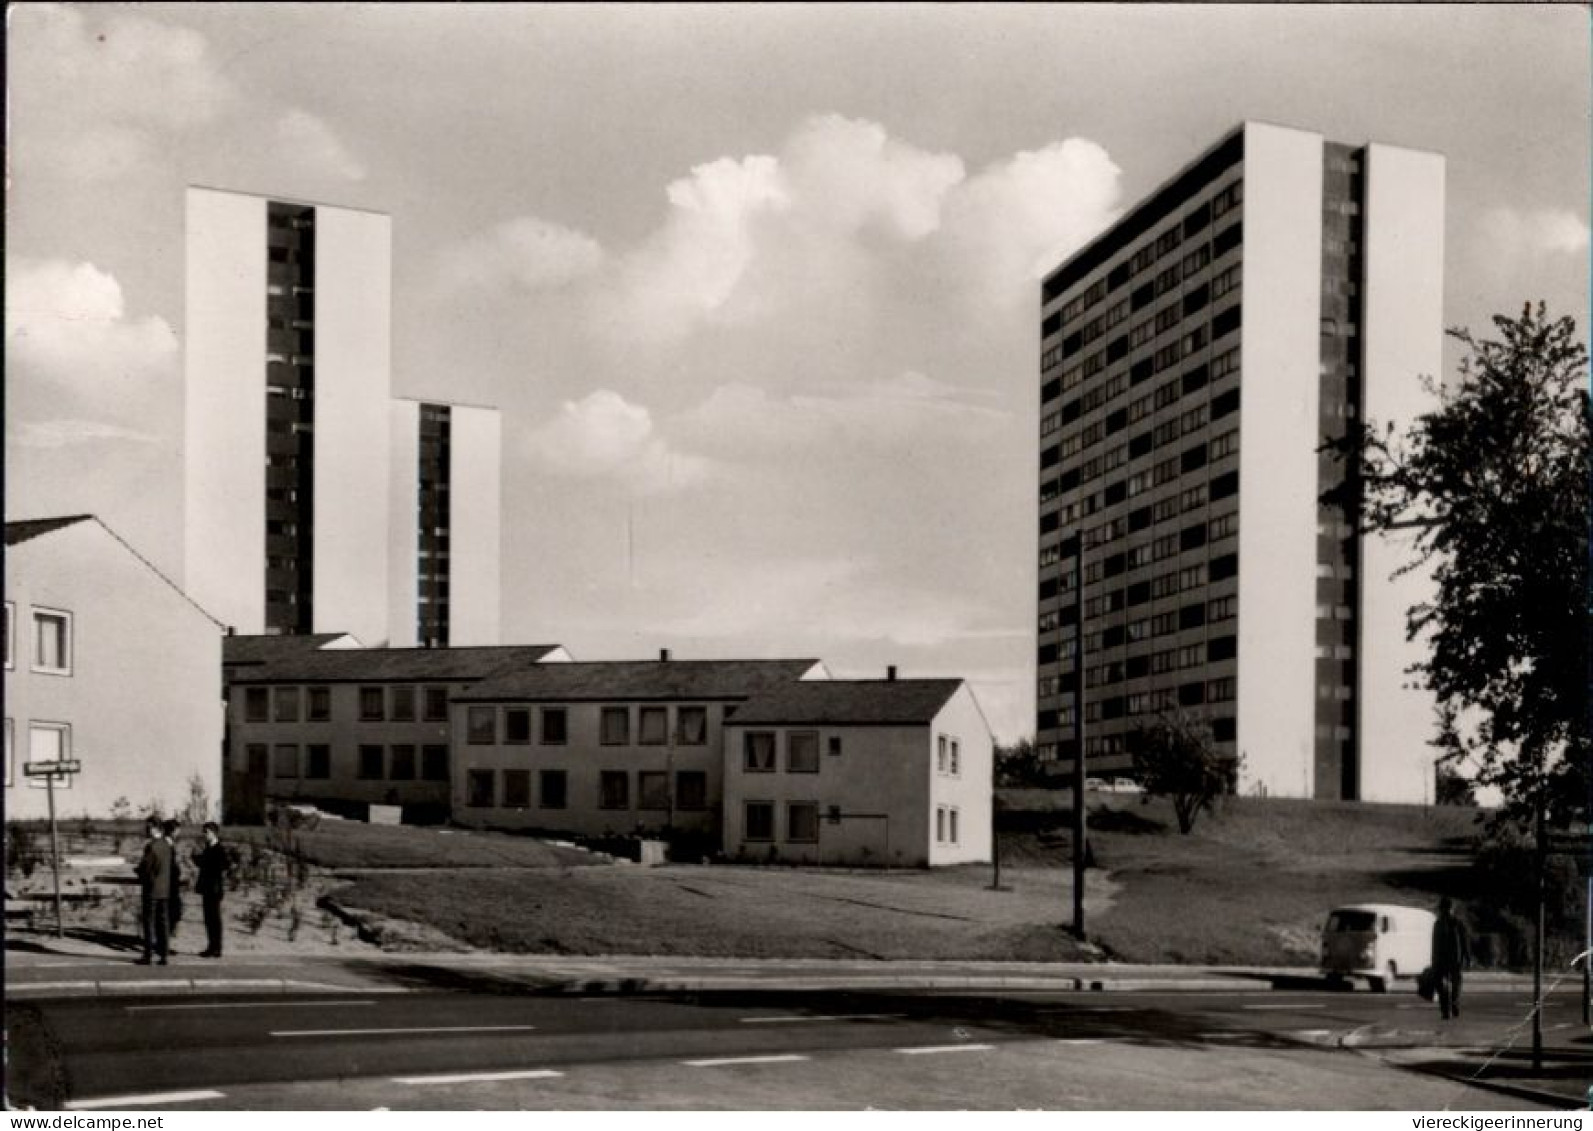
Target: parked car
[[1125, 785], [1377, 941], [1094, 785]]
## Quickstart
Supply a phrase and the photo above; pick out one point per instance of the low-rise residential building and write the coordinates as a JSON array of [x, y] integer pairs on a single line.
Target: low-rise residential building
[[347, 728], [881, 773], [605, 748], [108, 664]]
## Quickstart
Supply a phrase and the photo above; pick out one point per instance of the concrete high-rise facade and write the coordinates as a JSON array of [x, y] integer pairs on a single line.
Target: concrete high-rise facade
[[294, 520], [446, 496], [1194, 358]]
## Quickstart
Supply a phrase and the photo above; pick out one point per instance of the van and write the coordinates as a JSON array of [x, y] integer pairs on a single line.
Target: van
[[1377, 941]]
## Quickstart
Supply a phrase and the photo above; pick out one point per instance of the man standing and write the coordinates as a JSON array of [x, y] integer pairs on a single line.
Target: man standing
[[1451, 954], [156, 867], [211, 884]]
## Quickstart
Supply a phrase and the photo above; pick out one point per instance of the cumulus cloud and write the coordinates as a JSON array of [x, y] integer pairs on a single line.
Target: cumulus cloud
[[310, 141], [69, 338], [99, 101], [1543, 231], [747, 422], [525, 253], [1016, 219], [604, 436], [850, 174]]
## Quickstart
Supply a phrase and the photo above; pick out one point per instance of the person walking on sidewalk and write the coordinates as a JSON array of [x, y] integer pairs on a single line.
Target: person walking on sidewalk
[[156, 867], [1451, 955], [174, 898], [212, 864]]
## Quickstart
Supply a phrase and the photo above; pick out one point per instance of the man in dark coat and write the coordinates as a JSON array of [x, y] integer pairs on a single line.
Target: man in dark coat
[[174, 905], [1451, 955], [156, 868], [211, 863]]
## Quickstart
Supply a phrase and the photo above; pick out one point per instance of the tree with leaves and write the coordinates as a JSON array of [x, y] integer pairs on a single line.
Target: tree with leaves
[[1175, 757], [1494, 484]]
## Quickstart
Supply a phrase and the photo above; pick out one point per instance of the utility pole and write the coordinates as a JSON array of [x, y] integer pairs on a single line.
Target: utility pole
[[51, 772], [1080, 845], [1541, 865]]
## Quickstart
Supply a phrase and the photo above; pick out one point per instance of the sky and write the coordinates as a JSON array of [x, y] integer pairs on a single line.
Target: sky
[[755, 287]]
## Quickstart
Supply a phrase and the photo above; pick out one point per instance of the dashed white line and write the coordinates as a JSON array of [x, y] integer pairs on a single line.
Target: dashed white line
[[1081, 1040], [479, 1077], [719, 1062], [143, 1100], [929, 1050], [241, 1005], [1301, 1005], [795, 1019], [386, 1032]]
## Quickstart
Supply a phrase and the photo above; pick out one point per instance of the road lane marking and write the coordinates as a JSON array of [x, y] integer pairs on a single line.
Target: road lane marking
[[1298, 1005], [418, 1029], [718, 1062], [793, 1019], [928, 1050], [479, 1077], [1081, 1040], [144, 1099], [241, 1005]]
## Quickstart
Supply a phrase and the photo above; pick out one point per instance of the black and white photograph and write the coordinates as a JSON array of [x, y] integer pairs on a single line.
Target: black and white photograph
[[794, 557]]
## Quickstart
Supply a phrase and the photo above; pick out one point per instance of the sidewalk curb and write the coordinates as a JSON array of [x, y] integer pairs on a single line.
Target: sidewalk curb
[[145, 986]]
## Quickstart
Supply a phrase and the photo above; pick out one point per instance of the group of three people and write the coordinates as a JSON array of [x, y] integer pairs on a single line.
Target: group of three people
[[160, 882]]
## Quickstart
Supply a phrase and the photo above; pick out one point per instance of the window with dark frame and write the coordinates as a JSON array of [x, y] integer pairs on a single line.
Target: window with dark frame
[[615, 727], [436, 704], [691, 790], [517, 724], [802, 752], [691, 723], [653, 726], [372, 760], [517, 789], [802, 822], [318, 704], [614, 789], [372, 704], [434, 763], [256, 704], [554, 789], [652, 790], [759, 821], [555, 727], [482, 726], [403, 704], [403, 763], [481, 787], [758, 752]]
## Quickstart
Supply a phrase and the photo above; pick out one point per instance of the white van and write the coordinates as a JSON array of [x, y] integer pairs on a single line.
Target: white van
[[1378, 942]]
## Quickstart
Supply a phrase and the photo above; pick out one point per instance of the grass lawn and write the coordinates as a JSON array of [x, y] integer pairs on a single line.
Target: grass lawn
[[1250, 886], [347, 845]]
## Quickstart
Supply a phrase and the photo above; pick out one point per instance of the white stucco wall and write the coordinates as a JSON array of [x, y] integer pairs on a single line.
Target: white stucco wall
[[143, 697], [403, 535], [1402, 341], [475, 510], [224, 406], [970, 789], [353, 312], [1278, 436]]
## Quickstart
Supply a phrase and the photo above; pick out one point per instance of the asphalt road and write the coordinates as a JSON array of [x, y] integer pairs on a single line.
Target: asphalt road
[[1015, 1049]]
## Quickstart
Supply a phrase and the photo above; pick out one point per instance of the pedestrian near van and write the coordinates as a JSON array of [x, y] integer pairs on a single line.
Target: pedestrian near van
[[211, 865], [1451, 955], [156, 867], [174, 898]]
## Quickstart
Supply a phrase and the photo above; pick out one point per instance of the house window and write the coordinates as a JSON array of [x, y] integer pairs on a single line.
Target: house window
[[758, 754], [652, 790], [318, 700], [802, 822], [940, 824], [434, 763], [50, 742], [482, 726], [759, 820], [835, 745], [436, 704], [654, 730], [802, 752], [318, 761], [285, 761], [10, 631], [517, 789], [614, 789], [951, 825], [692, 724], [403, 767], [691, 790], [371, 763], [256, 704], [940, 754], [481, 786], [517, 724], [404, 704], [956, 757], [255, 756], [372, 709], [10, 757], [554, 785], [616, 726], [555, 727], [287, 705], [52, 642]]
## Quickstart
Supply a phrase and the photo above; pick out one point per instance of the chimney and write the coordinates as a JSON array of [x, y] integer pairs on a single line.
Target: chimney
[[663, 655], [890, 673]]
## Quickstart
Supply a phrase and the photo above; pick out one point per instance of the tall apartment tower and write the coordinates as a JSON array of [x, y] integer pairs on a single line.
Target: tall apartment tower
[[314, 501], [1194, 358], [444, 576]]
